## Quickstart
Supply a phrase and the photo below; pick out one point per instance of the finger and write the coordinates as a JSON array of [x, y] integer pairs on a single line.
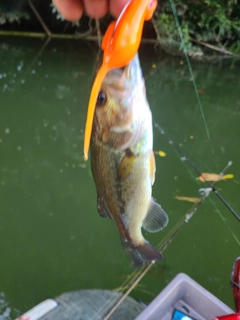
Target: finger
[[70, 9], [116, 6], [96, 8]]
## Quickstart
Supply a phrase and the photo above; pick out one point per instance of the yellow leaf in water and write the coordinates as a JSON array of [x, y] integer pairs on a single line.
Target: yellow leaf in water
[[189, 199], [191, 137], [214, 177], [154, 66], [228, 176], [161, 153]]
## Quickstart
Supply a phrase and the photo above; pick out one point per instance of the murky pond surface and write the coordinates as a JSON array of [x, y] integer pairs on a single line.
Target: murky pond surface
[[51, 237]]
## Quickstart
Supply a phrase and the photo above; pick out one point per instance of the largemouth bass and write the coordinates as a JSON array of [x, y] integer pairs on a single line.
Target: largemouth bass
[[123, 163]]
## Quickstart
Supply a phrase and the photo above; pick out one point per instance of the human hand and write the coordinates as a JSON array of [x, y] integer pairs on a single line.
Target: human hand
[[72, 10]]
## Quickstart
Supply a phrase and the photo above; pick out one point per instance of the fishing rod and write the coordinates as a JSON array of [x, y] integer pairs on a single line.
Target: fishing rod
[[165, 243], [184, 157], [176, 230], [195, 168], [205, 192], [210, 185]]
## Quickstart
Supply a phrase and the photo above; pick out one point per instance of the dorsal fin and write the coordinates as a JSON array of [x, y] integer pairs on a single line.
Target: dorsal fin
[[156, 218]]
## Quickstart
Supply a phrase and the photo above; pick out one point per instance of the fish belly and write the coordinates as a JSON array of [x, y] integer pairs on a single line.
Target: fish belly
[[125, 201]]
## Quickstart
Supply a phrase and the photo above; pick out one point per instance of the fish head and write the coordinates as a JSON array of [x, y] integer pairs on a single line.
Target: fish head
[[122, 109]]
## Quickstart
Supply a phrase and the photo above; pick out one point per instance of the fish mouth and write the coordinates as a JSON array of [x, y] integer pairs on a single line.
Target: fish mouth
[[132, 71], [128, 77]]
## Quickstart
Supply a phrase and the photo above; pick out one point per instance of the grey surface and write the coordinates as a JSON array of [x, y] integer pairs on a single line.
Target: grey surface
[[183, 290], [92, 305]]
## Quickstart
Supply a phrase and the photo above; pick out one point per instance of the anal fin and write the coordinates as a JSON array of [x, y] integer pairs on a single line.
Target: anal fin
[[156, 218]]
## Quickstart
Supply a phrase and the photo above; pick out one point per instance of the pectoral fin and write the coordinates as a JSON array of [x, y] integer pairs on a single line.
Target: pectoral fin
[[156, 218], [152, 167], [126, 166]]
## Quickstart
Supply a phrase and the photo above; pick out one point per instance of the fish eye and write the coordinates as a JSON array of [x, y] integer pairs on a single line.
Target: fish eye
[[101, 99]]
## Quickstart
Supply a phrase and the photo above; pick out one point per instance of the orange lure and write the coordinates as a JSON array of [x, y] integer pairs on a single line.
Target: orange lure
[[120, 44]]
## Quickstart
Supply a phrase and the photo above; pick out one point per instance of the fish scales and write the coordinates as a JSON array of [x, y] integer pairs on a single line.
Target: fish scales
[[122, 160], [121, 195]]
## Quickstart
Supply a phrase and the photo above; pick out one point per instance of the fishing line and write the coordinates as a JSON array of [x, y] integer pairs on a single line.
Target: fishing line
[[192, 211], [165, 242], [210, 185], [189, 65], [178, 227], [224, 221], [148, 266], [126, 284], [137, 276], [184, 158], [195, 168]]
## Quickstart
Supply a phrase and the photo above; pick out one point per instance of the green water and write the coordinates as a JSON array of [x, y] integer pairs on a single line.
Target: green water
[[51, 237]]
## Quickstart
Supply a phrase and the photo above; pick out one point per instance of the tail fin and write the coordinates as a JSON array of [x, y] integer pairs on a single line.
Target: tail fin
[[143, 253]]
